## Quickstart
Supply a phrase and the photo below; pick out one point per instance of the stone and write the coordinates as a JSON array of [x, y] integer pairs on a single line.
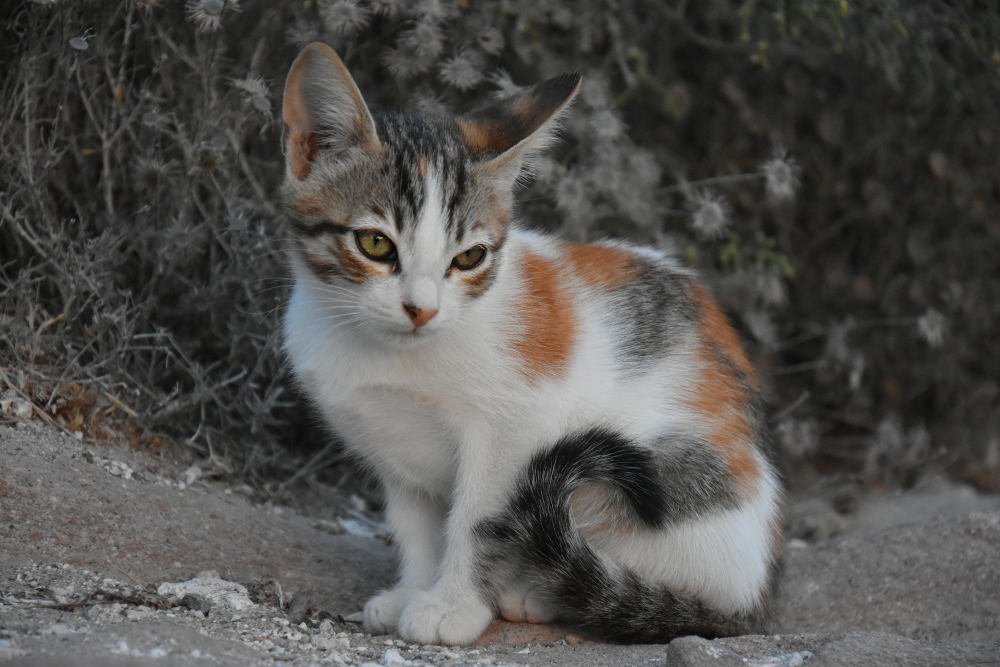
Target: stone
[[698, 652]]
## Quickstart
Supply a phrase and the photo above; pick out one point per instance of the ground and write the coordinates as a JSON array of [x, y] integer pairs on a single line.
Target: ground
[[89, 533]]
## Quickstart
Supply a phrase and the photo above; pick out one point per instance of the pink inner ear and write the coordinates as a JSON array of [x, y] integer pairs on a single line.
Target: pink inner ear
[[301, 151]]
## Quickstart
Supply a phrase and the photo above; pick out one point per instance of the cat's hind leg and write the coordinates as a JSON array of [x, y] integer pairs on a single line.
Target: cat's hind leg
[[525, 602]]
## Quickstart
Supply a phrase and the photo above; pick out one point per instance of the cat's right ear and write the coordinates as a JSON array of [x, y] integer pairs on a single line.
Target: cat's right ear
[[323, 108]]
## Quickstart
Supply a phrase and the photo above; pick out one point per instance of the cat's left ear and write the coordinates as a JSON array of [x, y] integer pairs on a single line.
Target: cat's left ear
[[323, 109], [513, 129]]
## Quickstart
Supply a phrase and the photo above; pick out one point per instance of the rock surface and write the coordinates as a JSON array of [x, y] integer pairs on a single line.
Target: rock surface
[[903, 587]]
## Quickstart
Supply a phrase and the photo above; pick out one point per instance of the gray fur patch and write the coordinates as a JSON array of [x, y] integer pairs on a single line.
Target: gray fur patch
[[695, 479], [656, 313]]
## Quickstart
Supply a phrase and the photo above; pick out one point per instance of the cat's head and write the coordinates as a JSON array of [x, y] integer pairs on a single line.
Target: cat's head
[[399, 222]]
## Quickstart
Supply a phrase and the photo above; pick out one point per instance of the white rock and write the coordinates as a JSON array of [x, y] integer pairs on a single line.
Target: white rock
[[392, 657], [157, 652], [57, 629], [223, 593], [324, 643]]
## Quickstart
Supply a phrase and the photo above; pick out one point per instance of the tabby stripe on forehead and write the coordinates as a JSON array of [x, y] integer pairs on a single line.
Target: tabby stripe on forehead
[[408, 190], [325, 227], [458, 191]]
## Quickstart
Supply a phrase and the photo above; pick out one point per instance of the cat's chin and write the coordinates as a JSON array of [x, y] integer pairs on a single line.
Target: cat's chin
[[407, 340]]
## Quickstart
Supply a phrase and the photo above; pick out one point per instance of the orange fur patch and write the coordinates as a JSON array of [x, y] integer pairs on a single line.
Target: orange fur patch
[[716, 329], [301, 151], [600, 266], [719, 392], [547, 331], [481, 137]]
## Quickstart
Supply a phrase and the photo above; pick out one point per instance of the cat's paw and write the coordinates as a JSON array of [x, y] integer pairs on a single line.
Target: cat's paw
[[520, 605], [431, 619], [382, 611]]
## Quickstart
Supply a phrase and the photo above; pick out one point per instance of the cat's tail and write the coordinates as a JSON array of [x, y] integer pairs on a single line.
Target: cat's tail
[[602, 599]]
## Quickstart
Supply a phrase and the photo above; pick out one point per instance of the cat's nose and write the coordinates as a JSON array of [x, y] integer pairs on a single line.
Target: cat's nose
[[419, 316]]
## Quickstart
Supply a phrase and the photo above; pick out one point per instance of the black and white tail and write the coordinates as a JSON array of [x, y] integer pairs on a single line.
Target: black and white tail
[[600, 598]]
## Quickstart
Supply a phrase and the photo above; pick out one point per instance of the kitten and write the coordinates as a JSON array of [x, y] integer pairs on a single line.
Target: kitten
[[564, 432]]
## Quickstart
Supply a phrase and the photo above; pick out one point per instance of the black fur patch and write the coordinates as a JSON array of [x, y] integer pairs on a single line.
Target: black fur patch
[[536, 533]]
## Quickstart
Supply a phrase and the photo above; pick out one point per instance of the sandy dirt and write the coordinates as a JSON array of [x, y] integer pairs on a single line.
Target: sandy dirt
[[89, 533]]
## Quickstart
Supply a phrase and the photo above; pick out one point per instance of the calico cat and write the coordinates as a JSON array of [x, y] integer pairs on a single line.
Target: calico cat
[[564, 432]]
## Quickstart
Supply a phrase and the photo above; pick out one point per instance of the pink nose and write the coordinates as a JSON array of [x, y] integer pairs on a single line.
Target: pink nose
[[419, 316]]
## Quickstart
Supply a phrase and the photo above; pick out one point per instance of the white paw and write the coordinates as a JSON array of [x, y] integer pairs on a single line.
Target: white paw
[[431, 619], [382, 611], [520, 605]]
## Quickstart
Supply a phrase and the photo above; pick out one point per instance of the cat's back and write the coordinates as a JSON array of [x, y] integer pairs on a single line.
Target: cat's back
[[607, 306]]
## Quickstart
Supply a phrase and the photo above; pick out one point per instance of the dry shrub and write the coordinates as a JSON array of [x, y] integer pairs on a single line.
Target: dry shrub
[[140, 237]]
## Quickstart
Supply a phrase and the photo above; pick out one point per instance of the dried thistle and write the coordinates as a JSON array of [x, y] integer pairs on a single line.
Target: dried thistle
[[932, 326], [505, 85], [709, 213], [344, 18], [302, 33], [436, 10], [798, 438], [207, 14], [462, 71], [255, 91], [425, 40], [781, 176], [388, 8], [606, 124]]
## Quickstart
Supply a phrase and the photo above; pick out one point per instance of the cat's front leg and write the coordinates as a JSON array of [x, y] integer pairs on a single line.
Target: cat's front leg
[[460, 605], [417, 523]]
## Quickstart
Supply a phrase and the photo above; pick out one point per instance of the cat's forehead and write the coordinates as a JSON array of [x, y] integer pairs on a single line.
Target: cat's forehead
[[434, 138], [426, 158]]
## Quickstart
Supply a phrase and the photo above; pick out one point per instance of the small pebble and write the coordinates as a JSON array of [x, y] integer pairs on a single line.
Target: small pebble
[[392, 657], [157, 652], [57, 629]]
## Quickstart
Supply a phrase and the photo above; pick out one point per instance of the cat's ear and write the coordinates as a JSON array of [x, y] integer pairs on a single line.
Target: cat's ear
[[513, 129], [324, 108]]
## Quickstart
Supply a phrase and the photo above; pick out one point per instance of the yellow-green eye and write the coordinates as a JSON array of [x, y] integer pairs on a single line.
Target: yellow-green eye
[[469, 259], [376, 245]]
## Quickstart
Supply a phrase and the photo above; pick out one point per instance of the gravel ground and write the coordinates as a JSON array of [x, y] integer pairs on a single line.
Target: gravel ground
[[89, 535]]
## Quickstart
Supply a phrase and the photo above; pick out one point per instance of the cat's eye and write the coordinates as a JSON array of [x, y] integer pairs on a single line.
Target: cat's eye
[[469, 259], [376, 245]]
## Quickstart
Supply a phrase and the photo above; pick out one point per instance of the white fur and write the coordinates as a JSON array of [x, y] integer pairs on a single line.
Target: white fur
[[446, 419]]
